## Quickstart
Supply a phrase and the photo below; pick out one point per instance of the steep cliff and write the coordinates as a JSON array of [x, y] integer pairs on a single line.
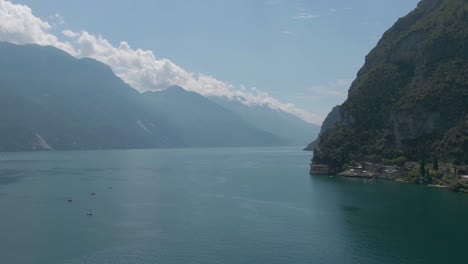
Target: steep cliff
[[410, 99], [330, 121]]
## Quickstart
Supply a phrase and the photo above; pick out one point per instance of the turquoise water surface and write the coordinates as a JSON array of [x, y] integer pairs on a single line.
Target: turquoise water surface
[[238, 205]]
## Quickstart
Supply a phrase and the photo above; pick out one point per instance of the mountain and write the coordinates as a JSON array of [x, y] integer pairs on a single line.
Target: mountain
[[51, 100], [203, 123], [332, 118], [293, 130], [409, 100]]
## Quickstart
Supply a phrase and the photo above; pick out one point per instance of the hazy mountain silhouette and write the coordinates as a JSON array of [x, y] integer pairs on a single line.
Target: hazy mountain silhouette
[[51, 100], [291, 129]]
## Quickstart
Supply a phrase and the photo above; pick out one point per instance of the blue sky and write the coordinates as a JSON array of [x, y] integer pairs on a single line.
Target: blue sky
[[299, 51]]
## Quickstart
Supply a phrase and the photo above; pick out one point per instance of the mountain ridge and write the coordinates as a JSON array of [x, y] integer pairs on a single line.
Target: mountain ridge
[[293, 130], [52, 100], [408, 102]]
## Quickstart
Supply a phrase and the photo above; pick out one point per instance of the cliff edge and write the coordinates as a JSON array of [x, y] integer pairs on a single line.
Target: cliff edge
[[409, 101]]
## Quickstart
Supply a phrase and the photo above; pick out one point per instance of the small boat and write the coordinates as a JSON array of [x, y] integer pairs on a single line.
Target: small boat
[[90, 213], [93, 193], [70, 200]]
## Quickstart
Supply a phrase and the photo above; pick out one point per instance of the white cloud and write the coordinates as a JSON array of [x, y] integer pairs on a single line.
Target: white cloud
[[69, 33], [18, 25], [336, 88], [320, 96], [305, 15], [272, 2], [287, 32], [57, 19], [139, 68]]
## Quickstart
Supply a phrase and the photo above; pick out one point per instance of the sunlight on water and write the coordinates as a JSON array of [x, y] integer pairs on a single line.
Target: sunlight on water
[[243, 205]]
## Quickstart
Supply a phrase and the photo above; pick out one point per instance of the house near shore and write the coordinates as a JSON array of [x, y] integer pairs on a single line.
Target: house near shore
[[410, 165], [390, 172], [356, 169], [373, 167]]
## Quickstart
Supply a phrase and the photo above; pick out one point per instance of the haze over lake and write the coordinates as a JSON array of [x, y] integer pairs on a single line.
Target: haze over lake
[[232, 205]]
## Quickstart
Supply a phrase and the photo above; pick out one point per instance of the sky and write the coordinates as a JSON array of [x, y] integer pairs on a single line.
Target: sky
[[298, 56]]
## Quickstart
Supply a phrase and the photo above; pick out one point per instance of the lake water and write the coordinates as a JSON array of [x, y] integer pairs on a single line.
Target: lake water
[[243, 205]]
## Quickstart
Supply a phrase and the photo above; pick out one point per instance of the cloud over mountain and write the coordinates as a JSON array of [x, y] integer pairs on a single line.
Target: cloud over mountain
[[139, 68], [19, 26]]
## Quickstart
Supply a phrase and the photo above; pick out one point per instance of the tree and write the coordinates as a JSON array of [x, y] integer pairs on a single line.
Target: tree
[[422, 169], [435, 164]]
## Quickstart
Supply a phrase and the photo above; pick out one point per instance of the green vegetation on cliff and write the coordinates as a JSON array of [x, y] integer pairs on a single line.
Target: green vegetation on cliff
[[410, 99]]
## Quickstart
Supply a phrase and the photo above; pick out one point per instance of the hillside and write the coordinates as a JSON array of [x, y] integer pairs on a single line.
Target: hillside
[[51, 100], [332, 118], [291, 129], [199, 122], [409, 101]]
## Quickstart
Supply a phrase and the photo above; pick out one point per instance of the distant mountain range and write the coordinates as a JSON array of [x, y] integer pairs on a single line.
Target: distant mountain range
[[293, 130], [198, 122], [332, 118], [50, 100]]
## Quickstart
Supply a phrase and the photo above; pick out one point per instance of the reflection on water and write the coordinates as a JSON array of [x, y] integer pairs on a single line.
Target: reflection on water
[[253, 205], [350, 208], [390, 222]]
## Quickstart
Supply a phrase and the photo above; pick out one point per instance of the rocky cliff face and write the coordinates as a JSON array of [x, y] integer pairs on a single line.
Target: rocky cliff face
[[332, 118], [410, 98], [409, 125]]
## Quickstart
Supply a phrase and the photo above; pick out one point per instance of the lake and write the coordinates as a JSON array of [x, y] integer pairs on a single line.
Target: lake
[[236, 205]]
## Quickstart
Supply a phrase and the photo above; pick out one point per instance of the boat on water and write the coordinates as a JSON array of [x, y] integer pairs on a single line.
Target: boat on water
[[90, 213]]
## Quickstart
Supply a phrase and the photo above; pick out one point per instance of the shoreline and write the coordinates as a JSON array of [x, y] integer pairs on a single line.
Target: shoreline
[[448, 176]]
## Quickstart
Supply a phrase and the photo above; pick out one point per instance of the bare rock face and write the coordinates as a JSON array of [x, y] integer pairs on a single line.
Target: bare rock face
[[408, 125], [40, 143], [406, 50]]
